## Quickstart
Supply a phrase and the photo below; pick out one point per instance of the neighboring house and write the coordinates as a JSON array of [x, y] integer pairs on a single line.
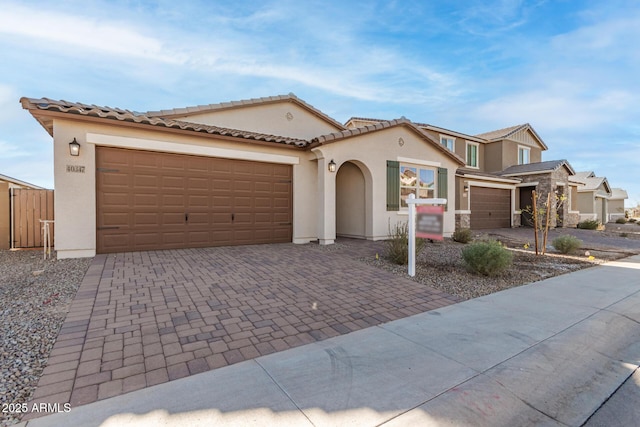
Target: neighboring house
[[501, 170], [552, 177], [7, 184], [256, 171], [593, 194], [616, 203]]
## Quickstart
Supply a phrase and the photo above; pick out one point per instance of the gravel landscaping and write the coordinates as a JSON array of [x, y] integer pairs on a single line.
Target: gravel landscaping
[[34, 299], [35, 294]]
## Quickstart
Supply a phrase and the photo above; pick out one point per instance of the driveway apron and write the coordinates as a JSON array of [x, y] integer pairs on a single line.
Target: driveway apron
[[145, 318]]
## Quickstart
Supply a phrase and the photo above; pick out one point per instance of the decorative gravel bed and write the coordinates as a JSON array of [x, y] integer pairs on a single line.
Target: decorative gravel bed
[[34, 299], [440, 265]]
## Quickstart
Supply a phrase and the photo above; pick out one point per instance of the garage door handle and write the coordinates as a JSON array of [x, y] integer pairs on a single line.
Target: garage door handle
[[233, 217], [108, 228], [186, 217]]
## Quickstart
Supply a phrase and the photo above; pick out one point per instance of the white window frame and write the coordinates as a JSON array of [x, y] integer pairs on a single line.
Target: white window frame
[[416, 187], [446, 139], [466, 155], [523, 149]]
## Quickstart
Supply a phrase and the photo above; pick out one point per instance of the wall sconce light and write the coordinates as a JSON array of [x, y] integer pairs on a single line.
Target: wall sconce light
[[332, 166], [74, 148], [466, 187]]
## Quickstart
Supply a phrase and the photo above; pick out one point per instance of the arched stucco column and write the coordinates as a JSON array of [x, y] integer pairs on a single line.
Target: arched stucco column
[[326, 194]]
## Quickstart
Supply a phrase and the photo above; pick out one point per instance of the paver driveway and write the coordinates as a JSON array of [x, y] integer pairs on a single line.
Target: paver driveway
[[144, 318]]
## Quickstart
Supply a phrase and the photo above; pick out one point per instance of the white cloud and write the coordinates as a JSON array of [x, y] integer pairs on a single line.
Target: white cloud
[[56, 30]]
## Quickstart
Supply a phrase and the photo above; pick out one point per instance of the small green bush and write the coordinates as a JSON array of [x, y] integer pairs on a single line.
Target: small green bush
[[624, 234], [489, 258], [397, 246], [566, 244], [632, 220], [621, 221], [589, 224], [462, 235]]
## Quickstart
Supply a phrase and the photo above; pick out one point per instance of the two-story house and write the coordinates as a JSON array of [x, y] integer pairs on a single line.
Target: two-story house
[[502, 168]]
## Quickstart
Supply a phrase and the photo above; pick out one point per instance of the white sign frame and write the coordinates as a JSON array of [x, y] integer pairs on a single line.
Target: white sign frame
[[412, 202]]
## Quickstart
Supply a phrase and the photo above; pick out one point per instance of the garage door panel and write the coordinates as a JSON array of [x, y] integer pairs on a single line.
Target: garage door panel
[[149, 195], [198, 201], [242, 202], [146, 218], [119, 219], [242, 186], [145, 181]]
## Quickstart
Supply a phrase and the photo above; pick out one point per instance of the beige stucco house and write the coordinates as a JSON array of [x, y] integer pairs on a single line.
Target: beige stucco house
[[616, 203], [593, 195], [255, 171]]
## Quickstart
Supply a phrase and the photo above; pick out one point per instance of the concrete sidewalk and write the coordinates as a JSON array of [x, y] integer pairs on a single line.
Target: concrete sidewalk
[[549, 353]]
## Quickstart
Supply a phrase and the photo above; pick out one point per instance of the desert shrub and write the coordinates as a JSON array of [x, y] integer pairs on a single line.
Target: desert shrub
[[624, 234], [632, 220], [462, 235], [589, 224], [489, 258], [621, 221], [397, 246], [566, 244]]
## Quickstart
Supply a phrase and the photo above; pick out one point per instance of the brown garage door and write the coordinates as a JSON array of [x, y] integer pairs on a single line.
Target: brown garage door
[[149, 200], [490, 208]]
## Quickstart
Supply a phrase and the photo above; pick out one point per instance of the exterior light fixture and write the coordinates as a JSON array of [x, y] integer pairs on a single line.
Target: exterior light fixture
[[74, 148], [332, 166], [466, 187]]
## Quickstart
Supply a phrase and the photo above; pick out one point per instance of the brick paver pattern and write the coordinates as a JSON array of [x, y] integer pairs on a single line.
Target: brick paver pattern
[[145, 318]]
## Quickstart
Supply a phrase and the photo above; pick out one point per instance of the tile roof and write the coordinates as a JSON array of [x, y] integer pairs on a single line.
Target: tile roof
[[548, 166], [423, 125], [618, 194], [593, 184], [45, 104], [501, 133], [199, 109], [385, 124]]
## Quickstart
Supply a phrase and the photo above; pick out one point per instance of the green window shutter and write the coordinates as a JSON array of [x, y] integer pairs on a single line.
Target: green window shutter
[[393, 185], [442, 185]]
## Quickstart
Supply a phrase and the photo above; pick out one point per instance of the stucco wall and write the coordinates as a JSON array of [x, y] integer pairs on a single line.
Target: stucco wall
[[586, 202], [283, 118], [371, 152]]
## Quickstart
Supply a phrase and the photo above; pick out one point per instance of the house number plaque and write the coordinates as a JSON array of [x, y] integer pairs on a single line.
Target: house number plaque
[[75, 168]]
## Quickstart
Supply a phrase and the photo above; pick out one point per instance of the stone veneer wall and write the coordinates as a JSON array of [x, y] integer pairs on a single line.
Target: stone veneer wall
[[463, 220], [547, 184]]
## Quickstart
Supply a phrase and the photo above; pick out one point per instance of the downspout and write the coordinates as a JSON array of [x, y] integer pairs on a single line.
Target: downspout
[[11, 222]]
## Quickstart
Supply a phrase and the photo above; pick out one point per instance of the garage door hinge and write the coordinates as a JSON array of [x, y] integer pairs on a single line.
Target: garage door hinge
[[107, 170]]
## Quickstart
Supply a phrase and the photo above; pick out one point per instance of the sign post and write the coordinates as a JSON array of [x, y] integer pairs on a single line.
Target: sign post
[[429, 224]]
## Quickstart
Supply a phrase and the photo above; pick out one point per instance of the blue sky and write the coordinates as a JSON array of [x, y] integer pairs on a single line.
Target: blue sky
[[570, 68]]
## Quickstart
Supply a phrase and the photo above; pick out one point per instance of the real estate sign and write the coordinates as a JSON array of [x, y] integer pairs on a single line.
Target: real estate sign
[[429, 222]]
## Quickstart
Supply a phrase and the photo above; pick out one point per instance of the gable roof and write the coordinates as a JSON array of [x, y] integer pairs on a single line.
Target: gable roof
[[252, 102], [422, 125], [506, 133], [582, 176], [385, 124], [618, 194], [538, 167], [19, 182], [44, 109], [593, 184]]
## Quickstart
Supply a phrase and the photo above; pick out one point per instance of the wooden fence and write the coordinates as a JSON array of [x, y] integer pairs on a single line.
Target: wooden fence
[[28, 208]]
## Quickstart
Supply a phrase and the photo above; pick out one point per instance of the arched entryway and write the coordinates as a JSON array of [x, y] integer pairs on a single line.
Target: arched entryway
[[351, 213]]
